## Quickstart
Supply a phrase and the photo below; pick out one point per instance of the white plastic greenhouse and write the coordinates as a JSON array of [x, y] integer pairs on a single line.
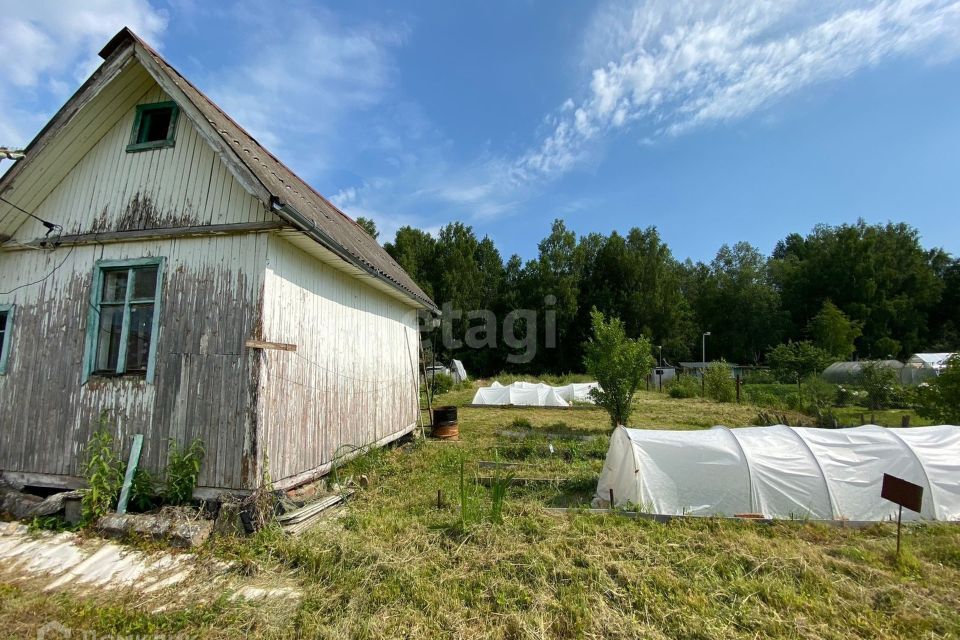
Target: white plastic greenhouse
[[782, 472], [534, 394]]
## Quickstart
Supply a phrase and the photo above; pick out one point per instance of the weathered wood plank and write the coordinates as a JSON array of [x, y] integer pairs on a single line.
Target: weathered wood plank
[[138, 235], [262, 344]]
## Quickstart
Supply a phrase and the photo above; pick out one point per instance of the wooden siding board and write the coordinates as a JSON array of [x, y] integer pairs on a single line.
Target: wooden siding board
[[46, 433], [343, 385], [109, 189]]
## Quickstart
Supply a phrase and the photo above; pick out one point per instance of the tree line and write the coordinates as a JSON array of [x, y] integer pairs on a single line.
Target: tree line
[[853, 290]]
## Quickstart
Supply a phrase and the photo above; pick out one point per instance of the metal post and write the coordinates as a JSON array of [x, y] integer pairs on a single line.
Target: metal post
[[611, 506], [738, 388], [899, 515]]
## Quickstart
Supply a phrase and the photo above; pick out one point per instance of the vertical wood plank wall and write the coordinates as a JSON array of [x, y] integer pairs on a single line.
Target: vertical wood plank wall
[[112, 190], [352, 380], [211, 303]]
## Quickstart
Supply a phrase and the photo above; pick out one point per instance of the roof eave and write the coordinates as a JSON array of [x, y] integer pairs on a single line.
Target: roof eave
[[307, 226]]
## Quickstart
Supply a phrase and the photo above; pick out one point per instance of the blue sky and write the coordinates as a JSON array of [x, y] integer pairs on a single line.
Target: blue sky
[[714, 121]]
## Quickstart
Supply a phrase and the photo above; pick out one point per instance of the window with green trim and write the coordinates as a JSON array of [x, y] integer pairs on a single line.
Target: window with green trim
[[6, 329], [154, 126], [124, 318]]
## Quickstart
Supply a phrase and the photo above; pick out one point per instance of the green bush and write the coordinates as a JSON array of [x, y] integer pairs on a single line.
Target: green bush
[[758, 376], [879, 382], [845, 396], [718, 383], [440, 383], [103, 471], [818, 395], [618, 363], [684, 387], [761, 396], [144, 493], [183, 469], [939, 399]]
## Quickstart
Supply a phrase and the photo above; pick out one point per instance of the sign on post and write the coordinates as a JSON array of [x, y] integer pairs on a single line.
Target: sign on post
[[899, 491], [903, 493]]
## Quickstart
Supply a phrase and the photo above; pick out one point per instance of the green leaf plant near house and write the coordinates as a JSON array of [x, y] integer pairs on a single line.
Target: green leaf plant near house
[[103, 469]]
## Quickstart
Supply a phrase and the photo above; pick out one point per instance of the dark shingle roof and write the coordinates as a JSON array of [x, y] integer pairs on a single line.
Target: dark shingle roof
[[282, 183]]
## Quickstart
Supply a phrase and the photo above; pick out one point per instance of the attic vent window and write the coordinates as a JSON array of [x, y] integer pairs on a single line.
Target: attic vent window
[[154, 126]]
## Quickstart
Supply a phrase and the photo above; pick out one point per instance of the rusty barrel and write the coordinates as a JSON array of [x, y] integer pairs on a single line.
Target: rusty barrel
[[445, 424]]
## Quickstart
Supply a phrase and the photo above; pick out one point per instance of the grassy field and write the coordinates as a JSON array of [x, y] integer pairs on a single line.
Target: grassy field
[[394, 564]]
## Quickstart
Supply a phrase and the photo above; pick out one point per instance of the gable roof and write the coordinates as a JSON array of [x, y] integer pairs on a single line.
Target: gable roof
[[258, 170]]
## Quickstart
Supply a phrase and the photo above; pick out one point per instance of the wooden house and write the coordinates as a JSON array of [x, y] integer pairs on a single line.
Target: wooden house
[[163, 274]]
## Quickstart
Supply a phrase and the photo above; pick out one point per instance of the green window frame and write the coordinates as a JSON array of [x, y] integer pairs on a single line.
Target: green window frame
[[123, 326], [144, 136], [6, 330]]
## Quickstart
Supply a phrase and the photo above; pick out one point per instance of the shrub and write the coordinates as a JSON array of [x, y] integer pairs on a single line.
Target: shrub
[[758, 376], [879, 382], [939, 399], [794, 360], [683, 387], [818, 395], [103, 471], [183, 469], [440, 383], [717, 383], [618, 363], [143, 490], [762, 396]]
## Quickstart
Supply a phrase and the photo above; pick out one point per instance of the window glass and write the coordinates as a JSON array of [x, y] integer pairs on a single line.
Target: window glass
[[125, 319], [108, 347], [144, 283], [115, 286], [138, 337]]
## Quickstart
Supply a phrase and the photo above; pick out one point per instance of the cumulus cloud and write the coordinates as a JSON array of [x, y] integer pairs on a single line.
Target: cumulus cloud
[[665, 67], [48, 48]]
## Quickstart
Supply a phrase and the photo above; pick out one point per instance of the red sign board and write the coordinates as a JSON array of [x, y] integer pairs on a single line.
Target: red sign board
[[899, 491]]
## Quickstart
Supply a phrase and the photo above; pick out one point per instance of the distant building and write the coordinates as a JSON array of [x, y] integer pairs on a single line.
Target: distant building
[[849, 372], [697, 368], [923, 366]]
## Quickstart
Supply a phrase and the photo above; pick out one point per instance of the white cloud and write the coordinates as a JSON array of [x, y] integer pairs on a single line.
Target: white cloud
[[668, 67], [371, 200], [297, 78], [48, 48], [659, 68]]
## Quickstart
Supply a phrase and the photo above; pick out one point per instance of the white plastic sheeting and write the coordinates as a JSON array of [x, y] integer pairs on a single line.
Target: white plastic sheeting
[[457, 370], [782, 472], [534, 394]]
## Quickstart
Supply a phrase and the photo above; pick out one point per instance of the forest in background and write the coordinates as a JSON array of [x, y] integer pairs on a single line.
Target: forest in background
[[856, 290]]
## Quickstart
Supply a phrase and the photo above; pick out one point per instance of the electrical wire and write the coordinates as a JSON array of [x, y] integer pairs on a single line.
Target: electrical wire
[[30, 284], [51, 226]]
